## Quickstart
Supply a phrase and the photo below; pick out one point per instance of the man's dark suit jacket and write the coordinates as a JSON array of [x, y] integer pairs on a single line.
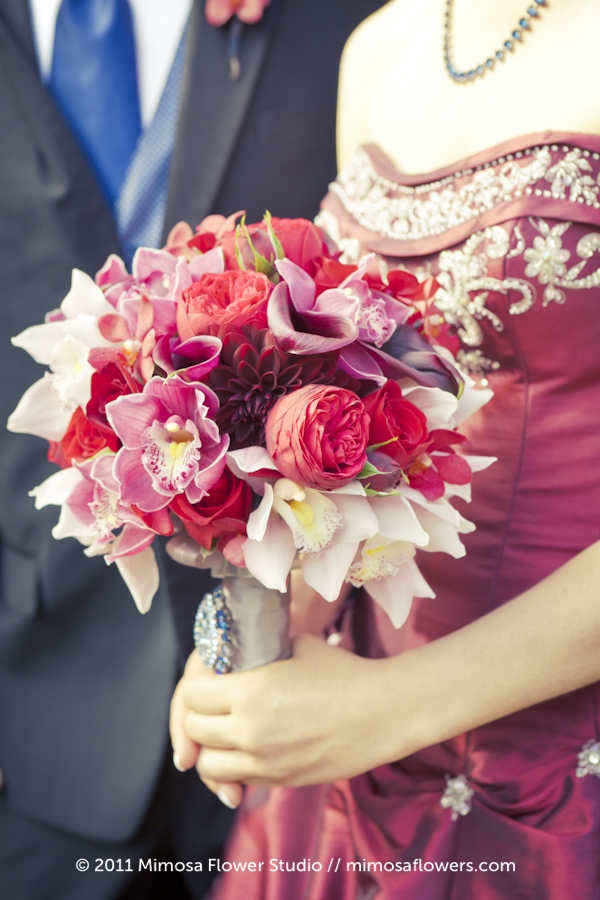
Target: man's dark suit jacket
[[85, 681]]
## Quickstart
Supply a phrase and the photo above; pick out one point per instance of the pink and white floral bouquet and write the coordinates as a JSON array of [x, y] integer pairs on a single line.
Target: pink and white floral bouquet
[[244, 385]]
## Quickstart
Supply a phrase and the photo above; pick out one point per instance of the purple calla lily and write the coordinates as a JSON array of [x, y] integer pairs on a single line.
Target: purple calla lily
[[196, 356], [304, 323]]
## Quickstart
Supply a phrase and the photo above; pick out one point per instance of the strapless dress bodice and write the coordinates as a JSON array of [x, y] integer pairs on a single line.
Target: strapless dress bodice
[[513, 238]]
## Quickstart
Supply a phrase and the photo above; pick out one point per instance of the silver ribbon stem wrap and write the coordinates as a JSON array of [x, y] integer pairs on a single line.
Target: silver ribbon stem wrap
[[260, 622], [240, 625]]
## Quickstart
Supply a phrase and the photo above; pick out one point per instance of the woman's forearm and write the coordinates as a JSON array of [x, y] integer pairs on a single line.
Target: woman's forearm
[[544, 643]]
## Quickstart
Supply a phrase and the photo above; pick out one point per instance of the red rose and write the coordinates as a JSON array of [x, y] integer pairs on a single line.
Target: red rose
[[82, 440], [317, 436], [329, 273], [107, 385], [399, 421], [232, 297], [224, 510]]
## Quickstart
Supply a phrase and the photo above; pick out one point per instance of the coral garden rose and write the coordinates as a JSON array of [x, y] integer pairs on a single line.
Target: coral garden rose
[[398, 421], [317, 436], [229, 298]]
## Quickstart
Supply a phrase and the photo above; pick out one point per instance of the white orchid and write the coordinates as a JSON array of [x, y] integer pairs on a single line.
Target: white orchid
[[324, 527], [63, 344]]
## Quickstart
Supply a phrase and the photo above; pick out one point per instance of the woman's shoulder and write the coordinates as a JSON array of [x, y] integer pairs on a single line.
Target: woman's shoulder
[[378, 28]]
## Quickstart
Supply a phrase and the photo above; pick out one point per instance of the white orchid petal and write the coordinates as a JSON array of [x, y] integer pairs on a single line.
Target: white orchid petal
[[85, 297], [270, 560], [354, 488], [359, 522], [471, 401], [40, 412], [56, 489], [479, 463], [248, 460], [398, 521], [440, 508], [466, 527], [85, 329], [311, 516], [140, 574], [258, 520], [458, 490], [40, 340], [438, 406], [69, 525], [326, 571], [396, 592], [443, 535], [421, 588]]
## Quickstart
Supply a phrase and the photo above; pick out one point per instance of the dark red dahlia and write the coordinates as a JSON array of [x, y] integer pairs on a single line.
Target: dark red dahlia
[[253, 374]]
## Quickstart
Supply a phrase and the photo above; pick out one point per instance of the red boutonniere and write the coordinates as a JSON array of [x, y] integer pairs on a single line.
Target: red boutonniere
[[218, 12]]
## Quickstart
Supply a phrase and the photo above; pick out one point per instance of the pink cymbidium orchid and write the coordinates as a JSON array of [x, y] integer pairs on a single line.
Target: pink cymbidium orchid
[[219, 12], [91, 512], [171, 443], [324, 527]]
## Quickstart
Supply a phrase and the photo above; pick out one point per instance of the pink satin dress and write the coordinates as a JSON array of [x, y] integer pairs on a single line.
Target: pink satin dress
[[513, 236]]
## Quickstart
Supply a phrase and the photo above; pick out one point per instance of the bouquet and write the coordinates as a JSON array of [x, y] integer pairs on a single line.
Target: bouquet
[[246, 388]]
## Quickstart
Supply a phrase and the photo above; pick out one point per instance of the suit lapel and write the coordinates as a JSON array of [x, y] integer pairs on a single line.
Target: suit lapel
[[15, 16], [212, 112], [64, 177]]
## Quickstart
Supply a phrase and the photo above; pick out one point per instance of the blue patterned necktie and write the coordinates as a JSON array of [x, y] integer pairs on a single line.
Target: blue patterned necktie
[[94, 82]]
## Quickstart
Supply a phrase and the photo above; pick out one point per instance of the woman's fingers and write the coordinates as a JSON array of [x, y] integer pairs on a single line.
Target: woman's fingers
[[185, 750], [205, 692], [229, 792], [226, 766], [214, 731]]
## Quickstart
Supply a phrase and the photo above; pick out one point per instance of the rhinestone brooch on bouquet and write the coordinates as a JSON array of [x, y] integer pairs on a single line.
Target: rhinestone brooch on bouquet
[[213, 632], [588, 761], [457, 796]]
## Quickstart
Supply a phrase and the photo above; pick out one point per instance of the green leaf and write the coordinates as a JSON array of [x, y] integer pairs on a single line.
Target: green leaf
[[371, 493], [238, 252], [261, 263], [383, 444], [277, 246], [368, 471]]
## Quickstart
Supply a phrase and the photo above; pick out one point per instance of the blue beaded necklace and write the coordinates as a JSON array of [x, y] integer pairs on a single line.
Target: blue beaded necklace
[[532, 12]]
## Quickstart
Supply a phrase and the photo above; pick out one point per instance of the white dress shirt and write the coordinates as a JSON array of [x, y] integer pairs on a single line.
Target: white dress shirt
[[158, 26]]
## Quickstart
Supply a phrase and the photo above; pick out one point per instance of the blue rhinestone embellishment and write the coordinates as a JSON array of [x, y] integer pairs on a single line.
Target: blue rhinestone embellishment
[[212, 632]]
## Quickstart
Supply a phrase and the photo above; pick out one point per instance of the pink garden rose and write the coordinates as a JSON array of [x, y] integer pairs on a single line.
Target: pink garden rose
[[231, 298], [317, 436]]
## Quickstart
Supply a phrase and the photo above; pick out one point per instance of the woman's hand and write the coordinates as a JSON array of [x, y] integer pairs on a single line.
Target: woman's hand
[[313, 718]]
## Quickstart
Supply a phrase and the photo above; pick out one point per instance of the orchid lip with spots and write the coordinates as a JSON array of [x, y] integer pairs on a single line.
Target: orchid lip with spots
[[274, 407]]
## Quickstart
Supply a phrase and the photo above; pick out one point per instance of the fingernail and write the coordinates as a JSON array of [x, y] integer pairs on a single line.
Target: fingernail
[[177, 764], [223, 797]]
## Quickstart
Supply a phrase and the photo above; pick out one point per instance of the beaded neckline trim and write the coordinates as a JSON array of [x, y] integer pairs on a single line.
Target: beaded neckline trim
[[408, 213]]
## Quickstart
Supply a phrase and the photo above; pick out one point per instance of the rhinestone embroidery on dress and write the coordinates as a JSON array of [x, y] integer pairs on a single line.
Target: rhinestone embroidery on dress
[[406, 213], [588, 761], [457, 796]]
